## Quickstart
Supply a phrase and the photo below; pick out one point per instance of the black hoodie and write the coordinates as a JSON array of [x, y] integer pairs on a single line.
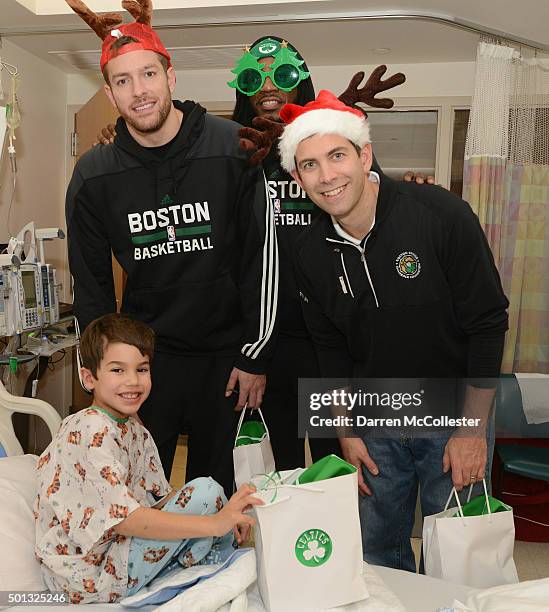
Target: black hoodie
[[191, 230]]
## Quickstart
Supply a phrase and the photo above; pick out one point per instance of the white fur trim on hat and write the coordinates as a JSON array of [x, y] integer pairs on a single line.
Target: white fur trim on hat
[[322, 121]]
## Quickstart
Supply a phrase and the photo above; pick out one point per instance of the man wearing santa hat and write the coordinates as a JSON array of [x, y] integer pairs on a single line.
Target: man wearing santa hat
[[396, 280]]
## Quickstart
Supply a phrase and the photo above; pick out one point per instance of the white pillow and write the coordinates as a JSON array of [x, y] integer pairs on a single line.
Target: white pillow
[[19, 569]]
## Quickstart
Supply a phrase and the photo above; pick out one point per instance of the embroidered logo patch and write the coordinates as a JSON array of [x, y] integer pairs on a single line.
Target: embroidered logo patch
[[313, 548], [408, 265], [268, 47]]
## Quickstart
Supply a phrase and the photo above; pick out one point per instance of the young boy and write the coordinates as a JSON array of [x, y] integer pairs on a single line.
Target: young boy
[[106, 521]]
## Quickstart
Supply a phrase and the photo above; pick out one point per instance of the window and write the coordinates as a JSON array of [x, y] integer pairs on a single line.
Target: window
[[405, 140]]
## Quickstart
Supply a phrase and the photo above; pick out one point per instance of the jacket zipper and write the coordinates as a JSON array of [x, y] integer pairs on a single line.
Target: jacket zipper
[[364, 263], [346, 276]]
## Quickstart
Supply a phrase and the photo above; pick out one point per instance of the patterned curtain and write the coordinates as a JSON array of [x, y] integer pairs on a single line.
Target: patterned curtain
[[506, 181]]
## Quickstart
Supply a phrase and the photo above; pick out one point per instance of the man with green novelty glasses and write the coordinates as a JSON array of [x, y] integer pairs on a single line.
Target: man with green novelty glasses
[[272, 73], [264, 83], [269, 59]]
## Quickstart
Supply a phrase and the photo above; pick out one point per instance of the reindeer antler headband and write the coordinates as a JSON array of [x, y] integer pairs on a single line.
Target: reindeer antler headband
[[259, 138], [109, 27]]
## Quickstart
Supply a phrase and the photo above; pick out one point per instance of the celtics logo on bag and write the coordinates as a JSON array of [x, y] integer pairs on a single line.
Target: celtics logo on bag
[[408, 265], [313, 548]]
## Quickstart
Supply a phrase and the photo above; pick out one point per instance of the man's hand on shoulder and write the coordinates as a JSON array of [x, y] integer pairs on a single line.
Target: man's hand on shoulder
[[250, 388], [106, 135], [418, 177]]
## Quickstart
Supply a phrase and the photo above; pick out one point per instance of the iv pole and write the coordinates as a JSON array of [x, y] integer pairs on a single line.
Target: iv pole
[[13, 120], [12, 111], [11, 69]]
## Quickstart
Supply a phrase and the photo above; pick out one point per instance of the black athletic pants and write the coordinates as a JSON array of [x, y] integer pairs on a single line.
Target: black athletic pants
[[191, 391], [294, 358]]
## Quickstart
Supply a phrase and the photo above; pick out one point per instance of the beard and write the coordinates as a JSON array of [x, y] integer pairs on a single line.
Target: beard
[[150, 125]]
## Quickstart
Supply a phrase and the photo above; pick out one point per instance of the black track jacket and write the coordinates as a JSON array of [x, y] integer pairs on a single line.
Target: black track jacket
[[194, 232], [420, 297]]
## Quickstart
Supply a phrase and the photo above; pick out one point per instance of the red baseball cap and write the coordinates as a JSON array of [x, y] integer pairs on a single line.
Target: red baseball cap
[[148, 40]]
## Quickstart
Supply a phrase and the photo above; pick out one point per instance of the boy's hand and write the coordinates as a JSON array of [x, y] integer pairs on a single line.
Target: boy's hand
[[232, 513], [241, 533]]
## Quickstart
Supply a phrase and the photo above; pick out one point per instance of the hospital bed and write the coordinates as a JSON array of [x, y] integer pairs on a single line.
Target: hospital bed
[[17, 478]]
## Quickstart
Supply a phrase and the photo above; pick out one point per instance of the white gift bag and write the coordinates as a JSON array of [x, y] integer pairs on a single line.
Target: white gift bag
[[309, 545], [254, 458], [473, 550]]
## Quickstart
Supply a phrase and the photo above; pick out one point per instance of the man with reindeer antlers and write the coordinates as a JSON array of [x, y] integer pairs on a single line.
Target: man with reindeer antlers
[[186, 215]]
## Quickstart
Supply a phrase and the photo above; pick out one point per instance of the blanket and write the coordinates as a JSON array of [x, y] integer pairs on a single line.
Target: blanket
[[232, 587], [530, 596]]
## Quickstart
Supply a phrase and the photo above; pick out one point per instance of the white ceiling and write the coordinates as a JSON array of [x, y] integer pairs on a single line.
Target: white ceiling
[[210, 36]]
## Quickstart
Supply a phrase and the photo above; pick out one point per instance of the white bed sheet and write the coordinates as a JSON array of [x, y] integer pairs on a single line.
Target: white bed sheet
[[417, 593], [98, 607]]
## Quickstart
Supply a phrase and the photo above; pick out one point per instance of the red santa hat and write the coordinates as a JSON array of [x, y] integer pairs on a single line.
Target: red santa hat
[[325, 115]]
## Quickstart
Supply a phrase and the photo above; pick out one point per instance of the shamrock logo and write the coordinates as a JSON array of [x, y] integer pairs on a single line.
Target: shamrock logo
[[314, 551], [268, 47], [313, 548]]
